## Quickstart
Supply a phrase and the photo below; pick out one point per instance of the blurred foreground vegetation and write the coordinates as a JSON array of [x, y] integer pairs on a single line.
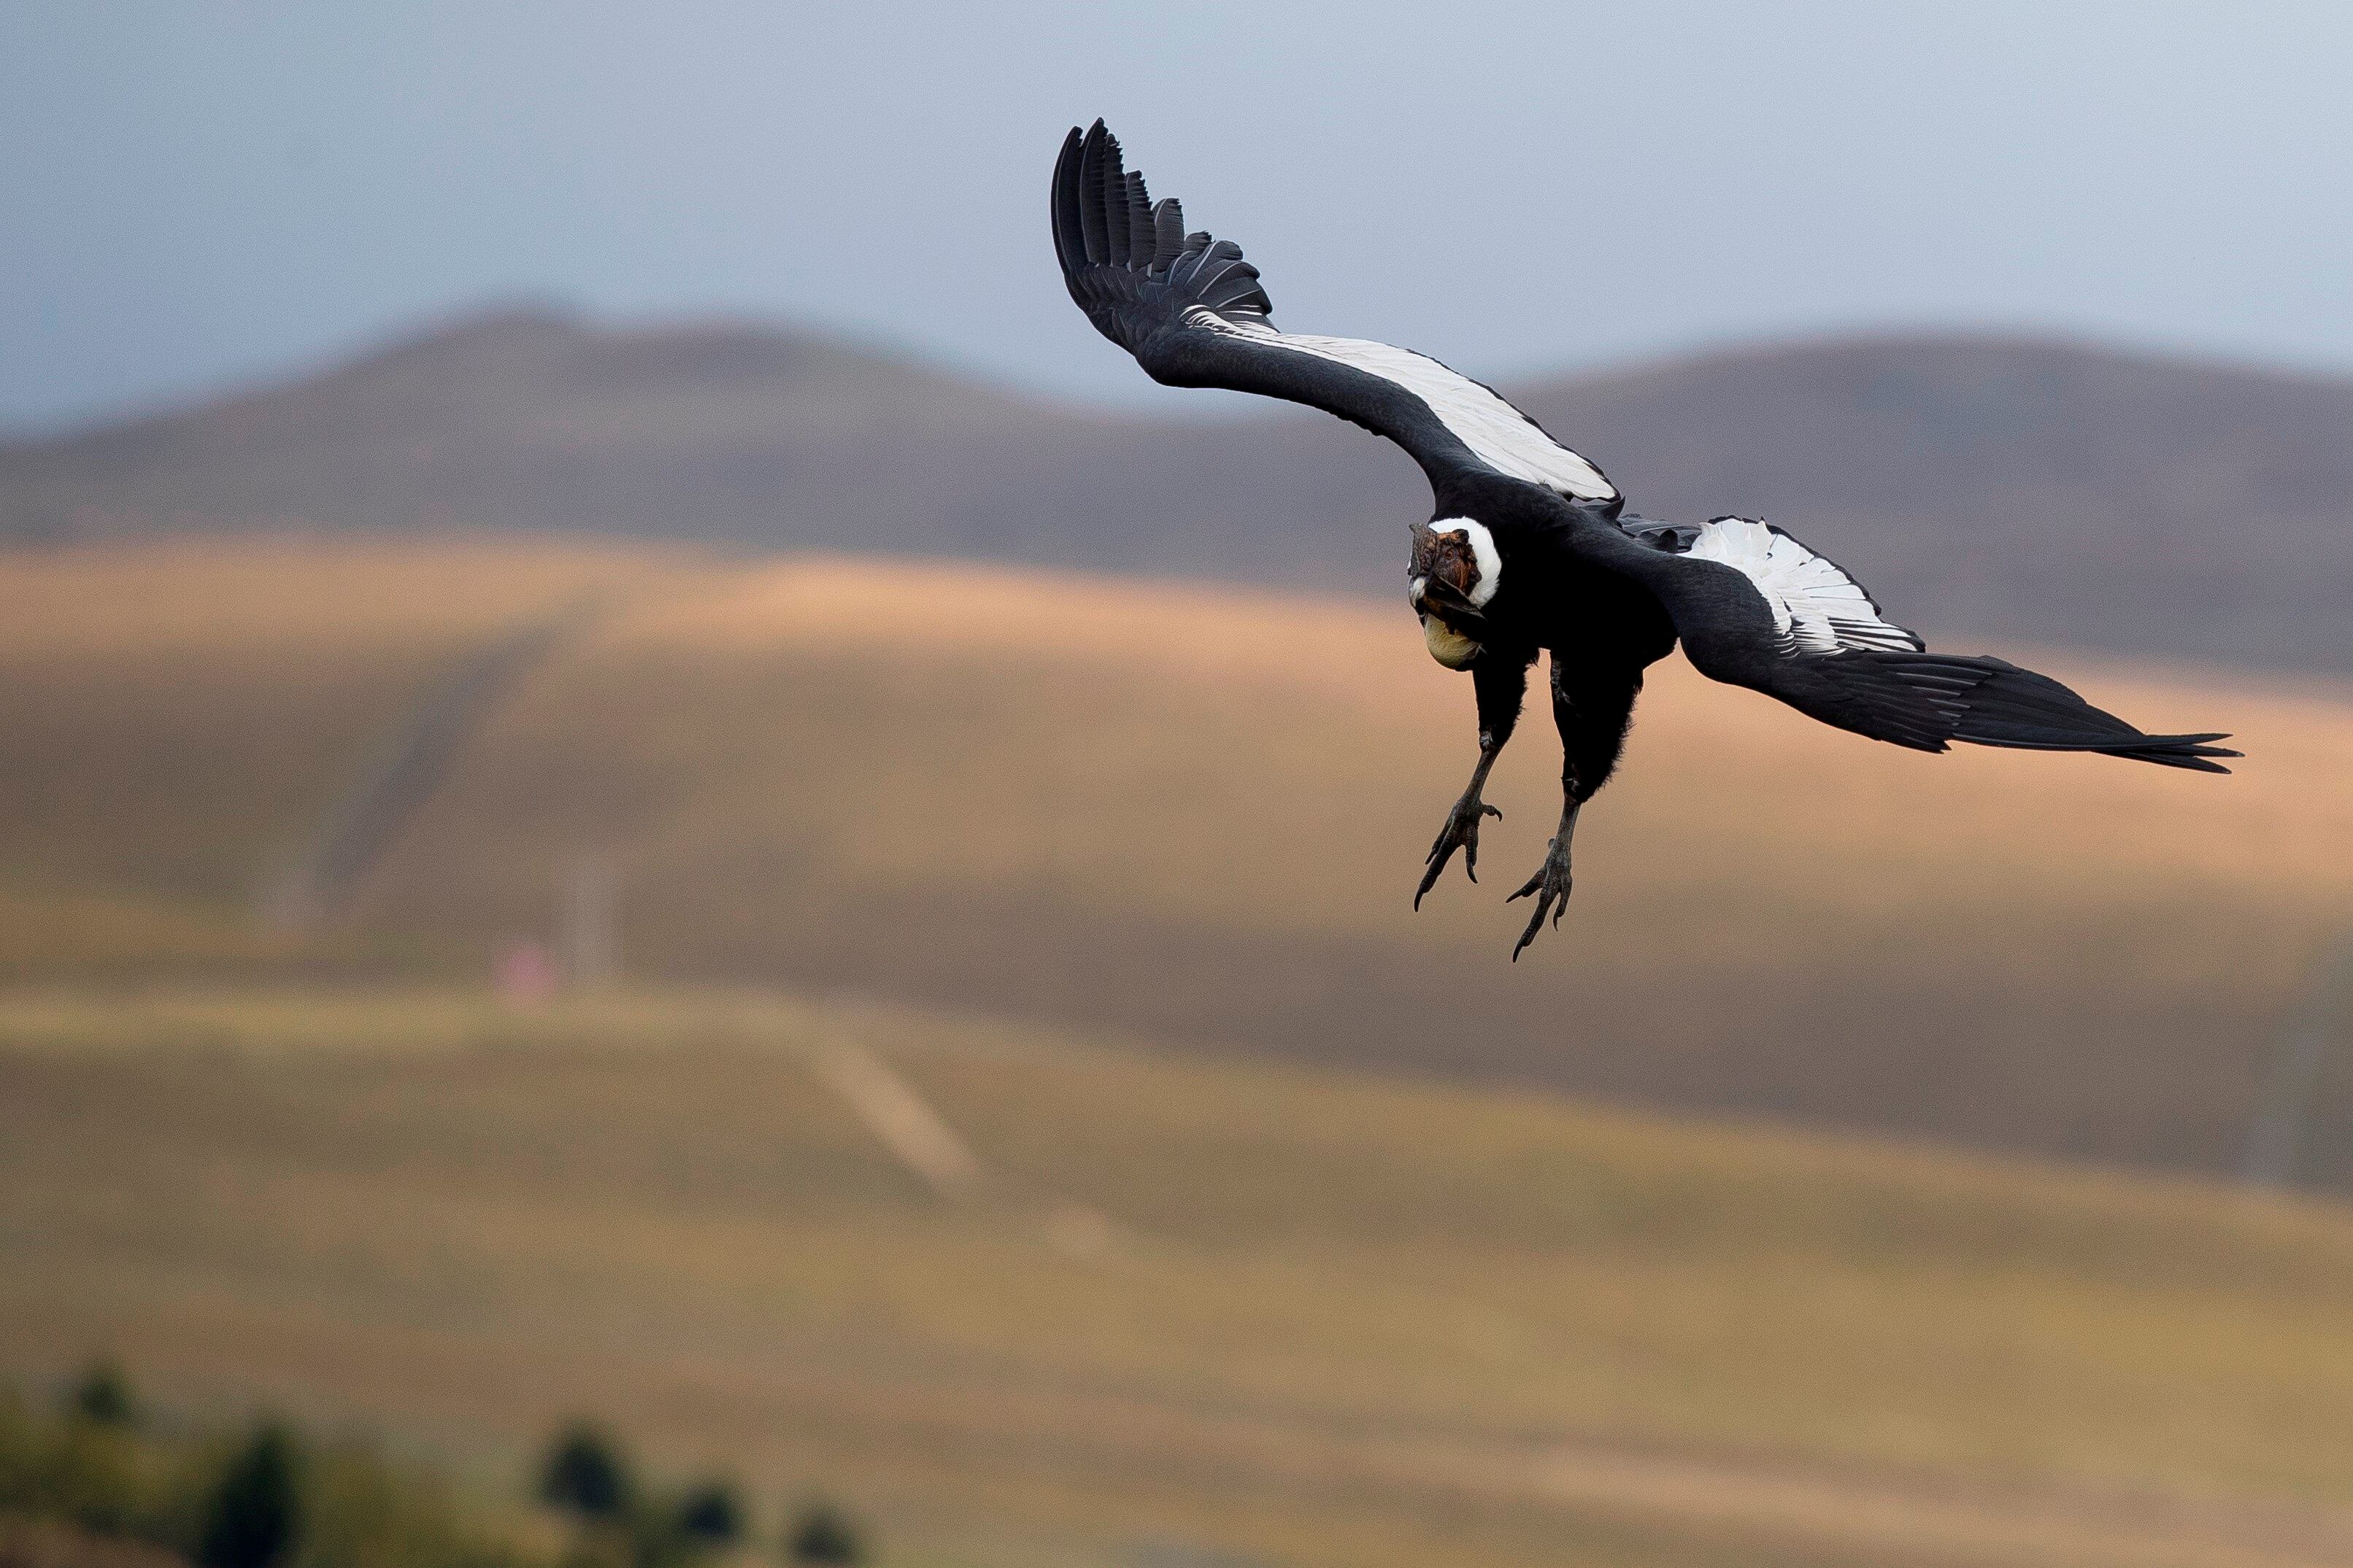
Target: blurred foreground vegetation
[[101, 1481]]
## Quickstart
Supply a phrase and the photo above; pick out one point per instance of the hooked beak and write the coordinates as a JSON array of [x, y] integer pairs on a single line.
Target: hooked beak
[[1430, 595]]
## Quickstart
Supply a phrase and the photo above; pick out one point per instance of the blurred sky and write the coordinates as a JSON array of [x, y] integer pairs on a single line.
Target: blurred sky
[[203, 192]]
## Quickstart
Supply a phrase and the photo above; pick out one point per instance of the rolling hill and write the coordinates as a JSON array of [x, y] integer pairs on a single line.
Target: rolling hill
[[2060, 493], [1189, 814]]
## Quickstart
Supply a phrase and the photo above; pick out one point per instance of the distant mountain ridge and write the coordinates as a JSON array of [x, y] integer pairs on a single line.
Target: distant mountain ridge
[[2049, 491]]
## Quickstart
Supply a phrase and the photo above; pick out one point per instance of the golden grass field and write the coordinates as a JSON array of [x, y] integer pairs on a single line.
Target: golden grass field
[[1176, 1309], [1188, 812], [1036, 1115]]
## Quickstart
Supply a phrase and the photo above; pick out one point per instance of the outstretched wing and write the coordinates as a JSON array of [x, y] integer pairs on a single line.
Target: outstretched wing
[[1193, 313], [1755, 607]]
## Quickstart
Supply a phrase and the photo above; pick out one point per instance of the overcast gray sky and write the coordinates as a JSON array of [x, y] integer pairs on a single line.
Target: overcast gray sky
[[199, 193]]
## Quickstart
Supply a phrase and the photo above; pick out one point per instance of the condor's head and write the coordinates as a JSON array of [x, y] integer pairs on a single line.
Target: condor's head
[[1456, 570]]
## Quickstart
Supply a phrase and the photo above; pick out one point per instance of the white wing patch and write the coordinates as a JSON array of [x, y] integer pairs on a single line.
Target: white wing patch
[[1816, 606], [1498, 435]]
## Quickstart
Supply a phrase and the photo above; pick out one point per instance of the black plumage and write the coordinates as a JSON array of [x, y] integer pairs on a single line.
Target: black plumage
[[1530, 550]]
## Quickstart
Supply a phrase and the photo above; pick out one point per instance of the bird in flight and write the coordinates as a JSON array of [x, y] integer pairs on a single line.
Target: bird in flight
[[1530, 548]]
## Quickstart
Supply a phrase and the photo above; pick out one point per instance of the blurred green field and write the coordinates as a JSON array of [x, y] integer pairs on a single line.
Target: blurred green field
[[1184, 1311]]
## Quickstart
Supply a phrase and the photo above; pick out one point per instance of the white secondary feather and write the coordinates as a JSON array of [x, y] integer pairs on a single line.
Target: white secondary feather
[[1816, 606], [1498, 435]]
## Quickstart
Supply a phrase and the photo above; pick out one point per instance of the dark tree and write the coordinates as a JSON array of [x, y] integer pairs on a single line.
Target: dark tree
[[255, 1513], [586, 1473], [712, 1514], [823, 1533], [103, 1395]]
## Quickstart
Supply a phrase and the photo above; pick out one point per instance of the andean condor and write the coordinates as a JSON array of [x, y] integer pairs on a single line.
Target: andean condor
[[1530, 547]]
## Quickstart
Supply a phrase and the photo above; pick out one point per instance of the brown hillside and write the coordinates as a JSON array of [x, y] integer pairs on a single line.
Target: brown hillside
[[1198, 816], [2060, 493]]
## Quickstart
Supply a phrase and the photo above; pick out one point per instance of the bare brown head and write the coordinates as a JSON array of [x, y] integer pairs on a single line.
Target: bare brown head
[[1445, 569]]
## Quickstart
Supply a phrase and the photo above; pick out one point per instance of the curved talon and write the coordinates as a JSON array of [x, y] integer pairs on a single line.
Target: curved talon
[[1550, 888], [1461, 832]]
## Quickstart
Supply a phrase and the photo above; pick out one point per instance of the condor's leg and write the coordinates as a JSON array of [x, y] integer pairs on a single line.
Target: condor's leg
[[1593, 709], [1501, 682]]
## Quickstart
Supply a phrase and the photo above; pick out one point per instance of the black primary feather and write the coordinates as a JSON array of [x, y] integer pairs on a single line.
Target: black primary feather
[[1169, 234], [1927, 700], [1143, 246], [1130, 265], [1093, 232]]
